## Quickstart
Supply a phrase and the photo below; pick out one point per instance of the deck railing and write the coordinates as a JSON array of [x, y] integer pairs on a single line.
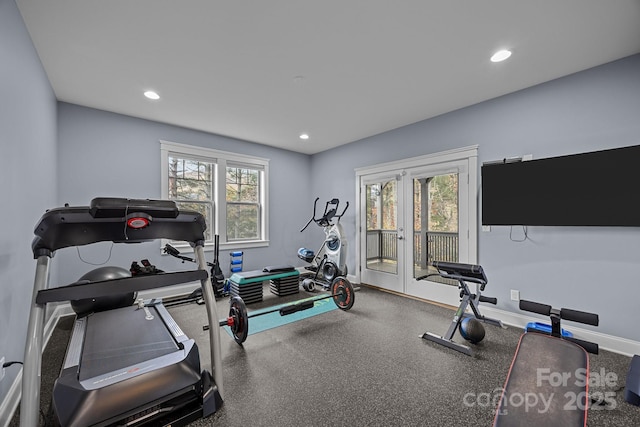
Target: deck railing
[[440, 246]]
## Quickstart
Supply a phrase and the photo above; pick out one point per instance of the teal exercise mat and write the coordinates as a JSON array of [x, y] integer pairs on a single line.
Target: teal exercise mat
[[273, 320]]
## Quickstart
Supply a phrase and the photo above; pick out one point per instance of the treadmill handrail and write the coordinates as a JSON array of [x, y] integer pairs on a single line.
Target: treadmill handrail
[[108, 219], [119, 286]]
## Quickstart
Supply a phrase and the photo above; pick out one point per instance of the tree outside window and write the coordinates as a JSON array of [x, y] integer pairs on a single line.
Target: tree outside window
[[243, 203], [230, 190], [191, 187]]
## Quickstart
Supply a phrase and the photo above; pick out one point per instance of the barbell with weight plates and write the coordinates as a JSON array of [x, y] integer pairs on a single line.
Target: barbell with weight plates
[[342, 293]]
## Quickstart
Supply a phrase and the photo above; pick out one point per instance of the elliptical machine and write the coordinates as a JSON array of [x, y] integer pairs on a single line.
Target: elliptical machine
[[329, 262]]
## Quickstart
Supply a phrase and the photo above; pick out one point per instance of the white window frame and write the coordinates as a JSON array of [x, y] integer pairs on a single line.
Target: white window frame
[[220, 159], [260, 170]]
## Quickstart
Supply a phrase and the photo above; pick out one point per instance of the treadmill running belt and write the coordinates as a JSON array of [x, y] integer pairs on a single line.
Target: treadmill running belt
[[119, 338]]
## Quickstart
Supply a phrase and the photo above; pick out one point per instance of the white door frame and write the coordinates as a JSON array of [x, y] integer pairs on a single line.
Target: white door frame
[[470, 225]]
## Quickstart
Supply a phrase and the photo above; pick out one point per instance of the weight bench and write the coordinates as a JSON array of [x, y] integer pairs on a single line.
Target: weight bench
[[248, 284], [632, 387], [548, 381], [462, 273]]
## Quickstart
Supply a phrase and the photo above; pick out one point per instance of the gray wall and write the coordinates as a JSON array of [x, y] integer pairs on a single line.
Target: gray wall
[[106, 154], [88, 153], [28, 176], [587, 268]]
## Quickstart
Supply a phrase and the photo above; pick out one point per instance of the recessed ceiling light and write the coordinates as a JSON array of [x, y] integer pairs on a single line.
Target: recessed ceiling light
[[151, 95], [304, 136], [501, 55]]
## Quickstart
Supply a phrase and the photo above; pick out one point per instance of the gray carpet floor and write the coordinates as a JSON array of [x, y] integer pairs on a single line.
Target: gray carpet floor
[[363, 367]]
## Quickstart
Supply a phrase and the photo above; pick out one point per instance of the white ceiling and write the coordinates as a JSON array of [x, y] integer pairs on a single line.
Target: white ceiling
[[340, 70]]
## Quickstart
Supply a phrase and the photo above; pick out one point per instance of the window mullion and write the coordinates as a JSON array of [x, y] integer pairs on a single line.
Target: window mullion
[[197, 176], [221, 197]]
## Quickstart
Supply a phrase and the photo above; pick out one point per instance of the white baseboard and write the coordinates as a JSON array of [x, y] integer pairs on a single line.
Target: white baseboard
[[612, 343], [10, 403], [12, 399]]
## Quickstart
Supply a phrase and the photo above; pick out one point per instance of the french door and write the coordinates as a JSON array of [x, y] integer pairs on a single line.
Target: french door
[[415, 212], [382, 197]]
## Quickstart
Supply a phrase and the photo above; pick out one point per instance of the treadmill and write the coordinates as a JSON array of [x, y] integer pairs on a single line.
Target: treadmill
[[128, 366]]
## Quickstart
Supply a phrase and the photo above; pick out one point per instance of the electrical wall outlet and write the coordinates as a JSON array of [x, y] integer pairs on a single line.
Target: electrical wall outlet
[[1, 368], [486, 228], [515, 295]]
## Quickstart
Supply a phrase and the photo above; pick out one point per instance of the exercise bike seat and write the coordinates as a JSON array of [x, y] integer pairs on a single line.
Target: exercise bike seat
[[547, 384], [306, 255]]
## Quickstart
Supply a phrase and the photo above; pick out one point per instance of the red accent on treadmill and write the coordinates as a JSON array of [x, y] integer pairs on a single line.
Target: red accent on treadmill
[[137, 222]]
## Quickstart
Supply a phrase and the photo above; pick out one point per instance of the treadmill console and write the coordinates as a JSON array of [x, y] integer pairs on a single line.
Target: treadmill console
[[117, 207], [118, 220]]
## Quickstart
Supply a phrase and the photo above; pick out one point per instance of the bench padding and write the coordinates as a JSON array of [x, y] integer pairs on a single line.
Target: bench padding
[[547, 384], [254, 276]]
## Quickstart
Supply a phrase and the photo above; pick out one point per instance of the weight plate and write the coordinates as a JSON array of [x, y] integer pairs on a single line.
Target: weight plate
[[308, 285], [343, 293], [329, 271], [238, 312]]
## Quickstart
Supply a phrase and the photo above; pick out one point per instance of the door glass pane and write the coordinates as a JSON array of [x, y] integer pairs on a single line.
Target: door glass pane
[[435, 222], [382, 230]]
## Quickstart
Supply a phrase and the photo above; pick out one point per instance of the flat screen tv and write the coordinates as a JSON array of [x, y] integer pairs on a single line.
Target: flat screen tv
[[600, 188]]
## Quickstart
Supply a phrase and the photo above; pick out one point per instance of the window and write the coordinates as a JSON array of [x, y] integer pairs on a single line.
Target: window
[[243, 203], [230, 190]]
